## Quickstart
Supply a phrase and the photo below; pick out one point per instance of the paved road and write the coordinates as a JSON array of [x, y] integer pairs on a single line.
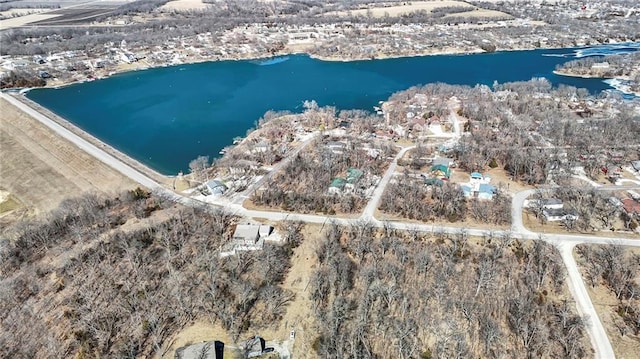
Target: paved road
[[564, 242], [85, 145], [595, 329], [369, 210], [239, 199]]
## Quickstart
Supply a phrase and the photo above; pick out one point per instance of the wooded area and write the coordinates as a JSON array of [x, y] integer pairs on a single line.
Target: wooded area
[[617, 269], [386, 294], [117, 277], [532, 129], [411, 198], [303, 185]]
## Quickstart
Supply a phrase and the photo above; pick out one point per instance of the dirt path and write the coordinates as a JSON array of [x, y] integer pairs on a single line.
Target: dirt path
[[299, 316], [41, 169], [594, 327]]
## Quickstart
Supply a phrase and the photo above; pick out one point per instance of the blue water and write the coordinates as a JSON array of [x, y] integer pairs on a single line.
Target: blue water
[[165, 117]]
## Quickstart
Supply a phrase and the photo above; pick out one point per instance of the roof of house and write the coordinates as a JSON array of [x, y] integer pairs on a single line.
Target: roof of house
[[486, 188], [215, 183], [631, 206], [442, 161], [554, 212], [353, 174], [550, 201], [636, 165], [246, 232], [442, 168], [338, 182], [476, 175], [434, 182], [336, 144], [199, 350]]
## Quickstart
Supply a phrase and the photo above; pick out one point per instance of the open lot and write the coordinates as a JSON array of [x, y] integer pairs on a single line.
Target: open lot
[[183, 5], [76, 15], [428, 6], [38, 169], [24, 20], [607, 306]]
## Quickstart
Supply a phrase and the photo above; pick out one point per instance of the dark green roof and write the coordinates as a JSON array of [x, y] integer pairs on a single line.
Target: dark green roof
[[442, 168], [434, 182], [338, 182], [353, 174]]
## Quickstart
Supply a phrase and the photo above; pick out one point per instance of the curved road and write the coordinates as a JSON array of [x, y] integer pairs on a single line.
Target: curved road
[[564, 242]]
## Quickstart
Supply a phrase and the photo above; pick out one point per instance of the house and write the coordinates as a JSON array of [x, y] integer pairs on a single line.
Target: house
[[612, 171], [246, 234], [353, 175], [261, 147], [442, 161], [247, 237], [559, 214], [265, 231], [604, 65], [418, 126], [254, 347], [636, 165], [216, 188], [243, 166], [336, 147], [479, 190], [433, 181], [206, 350], [631, 207], [551, 203], [486, 191], [441, 171], [337, 185], [476, 177]]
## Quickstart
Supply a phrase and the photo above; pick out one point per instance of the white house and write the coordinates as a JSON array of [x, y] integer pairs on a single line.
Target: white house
[[247, 237], [551, 203], [555, 215]]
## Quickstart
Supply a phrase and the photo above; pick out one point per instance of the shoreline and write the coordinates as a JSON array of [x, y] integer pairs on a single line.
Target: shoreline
[[166, 179], [162, 179], [338, 58], [307, 51], [616, 83]]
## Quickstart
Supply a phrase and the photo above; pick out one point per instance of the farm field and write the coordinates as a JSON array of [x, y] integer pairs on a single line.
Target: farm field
[[38, 169]]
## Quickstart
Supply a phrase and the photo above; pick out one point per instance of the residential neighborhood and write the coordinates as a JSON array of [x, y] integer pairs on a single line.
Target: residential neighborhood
[[337, 193]]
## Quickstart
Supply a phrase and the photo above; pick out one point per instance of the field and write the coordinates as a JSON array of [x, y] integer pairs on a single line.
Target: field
[[607, 305], [24, 20], [183, 5], [39, 169], [74, 16], [58, 13], [428, 6]]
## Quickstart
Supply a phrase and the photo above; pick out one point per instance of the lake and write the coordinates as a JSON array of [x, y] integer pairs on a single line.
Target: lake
[[165, 117]]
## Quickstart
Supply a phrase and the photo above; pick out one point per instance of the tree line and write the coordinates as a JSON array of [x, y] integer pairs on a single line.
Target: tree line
[[617, 270], [384, 293], [84, 281]]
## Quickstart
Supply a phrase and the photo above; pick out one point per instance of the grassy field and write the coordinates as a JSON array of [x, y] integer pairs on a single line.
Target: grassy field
[[428, 6], [40, 169]]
